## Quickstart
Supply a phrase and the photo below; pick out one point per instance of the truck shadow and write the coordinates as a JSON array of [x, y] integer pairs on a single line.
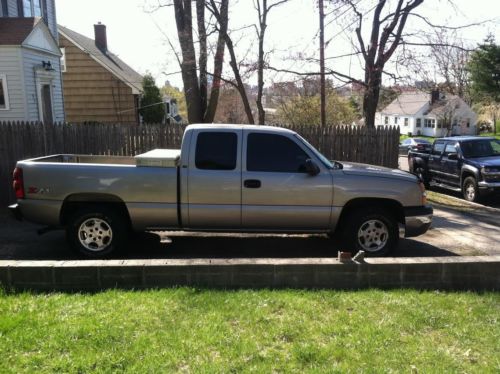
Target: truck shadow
[[149, 245]]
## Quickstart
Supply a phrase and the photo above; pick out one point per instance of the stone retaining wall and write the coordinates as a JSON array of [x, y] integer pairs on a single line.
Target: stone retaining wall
[[441, 273]]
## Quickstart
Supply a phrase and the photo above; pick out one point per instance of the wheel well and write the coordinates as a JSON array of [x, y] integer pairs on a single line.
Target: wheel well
[[392, 206], [75, 202], [467, 173]]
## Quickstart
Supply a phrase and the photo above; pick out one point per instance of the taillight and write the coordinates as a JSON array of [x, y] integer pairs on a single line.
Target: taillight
[[18, 183]]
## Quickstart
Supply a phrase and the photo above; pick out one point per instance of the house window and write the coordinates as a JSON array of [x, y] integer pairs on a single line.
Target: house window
[[429, 123], [406, 121], [4, 94], [440, 123], [419, 122], [63, 60], [32, 8], [386, 120], [396, 120], [468, 123]]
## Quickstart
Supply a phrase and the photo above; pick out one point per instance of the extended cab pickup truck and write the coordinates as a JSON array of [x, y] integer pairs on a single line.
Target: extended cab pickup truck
[[470, 164], [227, 178]]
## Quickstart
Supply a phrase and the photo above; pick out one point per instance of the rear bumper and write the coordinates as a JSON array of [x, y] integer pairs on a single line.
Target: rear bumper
[[15, 211], [417, 220]]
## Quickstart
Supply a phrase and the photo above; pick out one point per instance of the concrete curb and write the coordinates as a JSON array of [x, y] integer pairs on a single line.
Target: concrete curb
[[478, 273]]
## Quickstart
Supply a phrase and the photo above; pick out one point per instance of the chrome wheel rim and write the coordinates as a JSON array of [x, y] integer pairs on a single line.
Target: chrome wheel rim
[[470, 192], [95, 234], [373, 235]]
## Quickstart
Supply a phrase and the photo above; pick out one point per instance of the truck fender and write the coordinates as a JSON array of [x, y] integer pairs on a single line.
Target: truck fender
[[469, 170]]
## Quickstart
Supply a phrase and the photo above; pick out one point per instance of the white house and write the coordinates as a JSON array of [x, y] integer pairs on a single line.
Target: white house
[[435, 114], [30, 70]]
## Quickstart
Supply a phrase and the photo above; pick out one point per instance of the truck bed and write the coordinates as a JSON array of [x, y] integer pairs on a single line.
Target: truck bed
[[149, 192]]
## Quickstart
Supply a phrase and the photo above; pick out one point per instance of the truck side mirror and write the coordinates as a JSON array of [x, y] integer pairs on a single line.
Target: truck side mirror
[[453, 156], [311, 168]]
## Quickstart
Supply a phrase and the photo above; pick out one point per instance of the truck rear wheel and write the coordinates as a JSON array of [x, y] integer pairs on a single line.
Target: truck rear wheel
[[374, 231], [96, 231]]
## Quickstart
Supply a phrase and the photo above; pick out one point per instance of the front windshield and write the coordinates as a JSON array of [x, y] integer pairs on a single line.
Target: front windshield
[[322, 158], [481, 148]]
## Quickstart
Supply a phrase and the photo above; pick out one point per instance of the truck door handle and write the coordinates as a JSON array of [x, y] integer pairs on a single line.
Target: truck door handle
[[252, 183]]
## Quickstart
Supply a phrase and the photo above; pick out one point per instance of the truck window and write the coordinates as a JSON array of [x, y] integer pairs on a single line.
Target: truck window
[[216, 151], [438, 148], [274, 153], [450, 148]]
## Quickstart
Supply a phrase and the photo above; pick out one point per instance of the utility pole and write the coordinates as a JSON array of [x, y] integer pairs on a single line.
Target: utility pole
[[322, 62]]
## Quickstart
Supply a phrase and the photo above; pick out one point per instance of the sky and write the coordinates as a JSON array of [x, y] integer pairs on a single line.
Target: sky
[[139, 35]]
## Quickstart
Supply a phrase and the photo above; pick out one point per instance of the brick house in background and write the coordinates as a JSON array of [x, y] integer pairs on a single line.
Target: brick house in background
[[30, 72], [97, 85]]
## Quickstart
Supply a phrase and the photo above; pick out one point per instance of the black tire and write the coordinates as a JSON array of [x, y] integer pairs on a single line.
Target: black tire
[[420, 172], [97, 231], [374, 231], [470, 191]]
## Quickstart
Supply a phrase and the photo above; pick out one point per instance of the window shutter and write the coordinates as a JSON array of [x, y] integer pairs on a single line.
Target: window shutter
[[20, 11], [44, 11], [5, 8]]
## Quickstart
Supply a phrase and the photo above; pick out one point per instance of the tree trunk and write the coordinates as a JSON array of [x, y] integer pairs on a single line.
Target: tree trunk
[[260, 62], [218, 62], [202, 59], [183, 20], [373, 81], [234, 65]]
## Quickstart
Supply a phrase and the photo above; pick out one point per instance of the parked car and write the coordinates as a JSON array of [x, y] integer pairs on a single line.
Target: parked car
[[225, 178], [466, 164], [414, 144]]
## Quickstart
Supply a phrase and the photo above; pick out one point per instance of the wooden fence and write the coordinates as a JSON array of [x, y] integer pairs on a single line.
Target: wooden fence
[[20, 141]]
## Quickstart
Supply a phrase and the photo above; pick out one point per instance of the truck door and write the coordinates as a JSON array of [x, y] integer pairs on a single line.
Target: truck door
[[434, 164], [214, 179], [278, 194], [451, 166]]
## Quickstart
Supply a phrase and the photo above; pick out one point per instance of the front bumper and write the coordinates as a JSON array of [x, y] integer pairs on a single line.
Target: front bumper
[[417, 220], [492, 185], [16, 212]]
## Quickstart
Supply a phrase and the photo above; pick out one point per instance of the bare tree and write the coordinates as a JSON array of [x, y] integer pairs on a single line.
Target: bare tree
[[385, 37], [263, 8], [223, 32], [196, 88]]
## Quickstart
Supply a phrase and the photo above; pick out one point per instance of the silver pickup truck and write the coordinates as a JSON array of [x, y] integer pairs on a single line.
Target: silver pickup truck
[[227, 178]]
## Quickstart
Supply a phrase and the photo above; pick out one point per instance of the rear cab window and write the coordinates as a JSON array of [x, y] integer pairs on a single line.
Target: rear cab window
[[216, 150]]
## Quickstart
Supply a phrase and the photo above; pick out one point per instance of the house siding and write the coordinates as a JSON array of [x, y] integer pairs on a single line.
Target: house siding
[[10, 65], [92, 93], [32, 59]]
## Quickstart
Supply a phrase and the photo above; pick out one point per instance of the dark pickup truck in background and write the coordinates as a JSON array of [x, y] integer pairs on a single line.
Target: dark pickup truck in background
[[469, 164]]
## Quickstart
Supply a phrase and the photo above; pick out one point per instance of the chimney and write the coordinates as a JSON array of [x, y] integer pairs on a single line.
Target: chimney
[[101, 41], [434, 96]]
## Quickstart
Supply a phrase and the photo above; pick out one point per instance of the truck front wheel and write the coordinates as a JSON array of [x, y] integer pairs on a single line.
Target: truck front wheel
[[373, 231], [470, 190], [96, 231]]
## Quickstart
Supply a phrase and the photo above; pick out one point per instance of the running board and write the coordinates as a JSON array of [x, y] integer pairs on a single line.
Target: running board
[[447, 186]]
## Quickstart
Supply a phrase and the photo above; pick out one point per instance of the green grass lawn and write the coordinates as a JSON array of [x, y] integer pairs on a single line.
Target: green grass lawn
[[188, 330]]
